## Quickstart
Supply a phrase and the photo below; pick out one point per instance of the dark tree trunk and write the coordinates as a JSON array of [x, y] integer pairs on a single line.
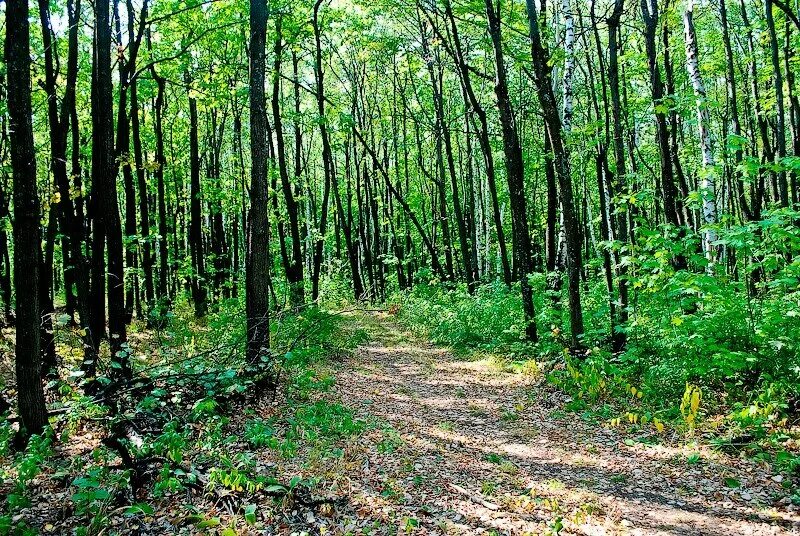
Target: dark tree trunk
[[552, 229], [328, 167], [257, 249], [63, 211], [76, 269], [649, 10], [196, 217], [733, 104], [484, 141], [683, 213], [331, 180], [515, 172], [552, 119], [780, 116], [27, 234], [219, 245], [162, 290], [294, 262], [619, 186], [794, 110], [767, 152], [104, 197], [148, 261], [443, 131], [122, 159]]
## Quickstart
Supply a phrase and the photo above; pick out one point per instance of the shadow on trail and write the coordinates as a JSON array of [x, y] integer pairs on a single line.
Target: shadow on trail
[[449, 413]]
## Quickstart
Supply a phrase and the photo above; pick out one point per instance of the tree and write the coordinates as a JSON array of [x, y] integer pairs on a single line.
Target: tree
[[780, 116], [515, 171], [329, 170], [707, 185], [106, 222], [27, 235], [483, 138], [544, 89], [293, 263], [199, 292], [618, 185], [649, 9], [257, 262]]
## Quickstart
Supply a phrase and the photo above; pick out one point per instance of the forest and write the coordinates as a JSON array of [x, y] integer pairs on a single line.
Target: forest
[[378, 267]]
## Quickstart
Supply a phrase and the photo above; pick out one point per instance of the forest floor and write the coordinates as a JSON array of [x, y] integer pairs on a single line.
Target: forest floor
[[410, 439], [476, 449]]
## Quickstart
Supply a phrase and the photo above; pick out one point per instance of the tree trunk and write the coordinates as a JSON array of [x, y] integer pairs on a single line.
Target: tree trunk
[[780, 116], [27, 234], [483, 139], [437, 85], [196, 217], [257, 259], [294, 264], [148, 261], [619, 185], [707, 180], [649, 10], [75, 273], [104, 186], [767, 152], [162, 290], [515, 171], [553, 122]]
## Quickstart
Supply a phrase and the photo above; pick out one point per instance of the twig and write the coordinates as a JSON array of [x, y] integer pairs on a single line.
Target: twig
[[474, 497]]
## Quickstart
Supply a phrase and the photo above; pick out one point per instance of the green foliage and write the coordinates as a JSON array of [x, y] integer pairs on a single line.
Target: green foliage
[[25, 467], [236, 479], [390, 442], [323, 419], [171, 443], [6, 435], [94, 493], [21, 470], [259, 433], [732, 336], [491, 320]]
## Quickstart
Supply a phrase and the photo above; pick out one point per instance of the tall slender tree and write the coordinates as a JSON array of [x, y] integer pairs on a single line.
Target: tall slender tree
[[707, 181], [515, 170], [106, 224], [199, 291], [553, 122], [27, 235], [257, 262]]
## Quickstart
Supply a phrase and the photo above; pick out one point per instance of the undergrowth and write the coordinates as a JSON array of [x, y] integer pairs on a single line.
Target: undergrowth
[[703, 355], [190, 431]]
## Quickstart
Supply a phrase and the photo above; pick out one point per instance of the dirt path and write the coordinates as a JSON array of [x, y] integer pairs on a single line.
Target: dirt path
[[473, 450]]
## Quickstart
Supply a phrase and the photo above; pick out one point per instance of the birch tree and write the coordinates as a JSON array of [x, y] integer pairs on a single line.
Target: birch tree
[[707, 178]]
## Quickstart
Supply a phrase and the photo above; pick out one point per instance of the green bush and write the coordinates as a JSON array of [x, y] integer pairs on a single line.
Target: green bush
[[737, 335]]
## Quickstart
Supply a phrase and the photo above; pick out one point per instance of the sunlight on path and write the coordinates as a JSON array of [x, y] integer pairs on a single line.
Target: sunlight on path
[[473, 450]]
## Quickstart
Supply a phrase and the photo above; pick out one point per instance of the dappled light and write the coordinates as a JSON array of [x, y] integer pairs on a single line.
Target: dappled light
[[399, 267], [453, 426]]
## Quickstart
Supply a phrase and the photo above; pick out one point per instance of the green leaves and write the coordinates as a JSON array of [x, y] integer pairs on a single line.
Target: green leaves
[[250, 513], [139, 509], [732, 483]]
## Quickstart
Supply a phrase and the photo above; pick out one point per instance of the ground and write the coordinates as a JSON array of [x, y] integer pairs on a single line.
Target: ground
[[476, 449], [414, 439]]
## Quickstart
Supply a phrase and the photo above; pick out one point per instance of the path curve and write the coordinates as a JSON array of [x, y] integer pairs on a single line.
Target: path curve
[[475, 450]]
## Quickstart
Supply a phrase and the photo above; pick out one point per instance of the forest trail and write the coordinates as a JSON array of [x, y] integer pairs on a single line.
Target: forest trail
[[475, 450]]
